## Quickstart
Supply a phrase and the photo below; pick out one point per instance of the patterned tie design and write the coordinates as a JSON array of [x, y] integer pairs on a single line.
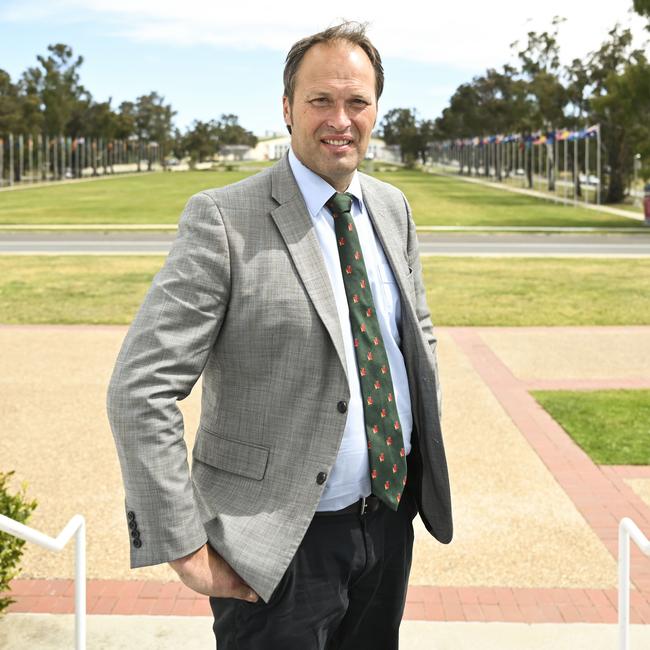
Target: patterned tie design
[[385, 443]]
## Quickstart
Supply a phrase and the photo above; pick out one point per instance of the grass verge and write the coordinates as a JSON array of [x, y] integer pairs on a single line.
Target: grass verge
[[460, 290], [612, 426]]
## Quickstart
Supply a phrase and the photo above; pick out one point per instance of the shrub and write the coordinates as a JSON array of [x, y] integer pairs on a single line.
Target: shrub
[[15, 507]]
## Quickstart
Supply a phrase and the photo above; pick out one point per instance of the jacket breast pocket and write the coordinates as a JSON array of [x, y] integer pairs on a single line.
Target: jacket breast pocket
[[230, 455]]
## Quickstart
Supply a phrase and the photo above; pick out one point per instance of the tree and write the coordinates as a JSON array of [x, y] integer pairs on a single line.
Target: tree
[[620, 101], [642, 7], [153, 123], [12, 105], [400, 127], [230, 132], [56, 85], [540, 66], [201, 141], [125, 121]]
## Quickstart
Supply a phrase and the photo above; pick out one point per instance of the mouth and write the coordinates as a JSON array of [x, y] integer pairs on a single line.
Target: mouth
[[337, 144]]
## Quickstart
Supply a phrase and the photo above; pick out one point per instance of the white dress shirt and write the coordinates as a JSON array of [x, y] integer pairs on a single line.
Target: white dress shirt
[[349, 479]]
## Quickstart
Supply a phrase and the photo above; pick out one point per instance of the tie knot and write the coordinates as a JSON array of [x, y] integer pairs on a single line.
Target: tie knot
[[339, 203]]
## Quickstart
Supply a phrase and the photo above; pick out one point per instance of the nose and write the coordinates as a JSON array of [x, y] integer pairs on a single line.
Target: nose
[[338, 118]]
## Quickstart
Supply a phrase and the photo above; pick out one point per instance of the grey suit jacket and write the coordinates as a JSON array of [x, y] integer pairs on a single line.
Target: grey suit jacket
[[244, 299]]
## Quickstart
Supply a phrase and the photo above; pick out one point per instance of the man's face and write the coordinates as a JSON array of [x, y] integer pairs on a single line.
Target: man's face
[[333, 112]]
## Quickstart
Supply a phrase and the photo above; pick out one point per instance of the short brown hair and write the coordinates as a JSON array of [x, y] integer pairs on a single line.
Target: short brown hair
[[350, 31]]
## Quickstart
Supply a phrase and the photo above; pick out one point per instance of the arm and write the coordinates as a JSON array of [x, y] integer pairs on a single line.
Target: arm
[[162, 356]]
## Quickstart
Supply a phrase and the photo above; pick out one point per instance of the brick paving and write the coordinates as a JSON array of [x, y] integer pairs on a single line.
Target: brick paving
[[599, 493], [423, 603]]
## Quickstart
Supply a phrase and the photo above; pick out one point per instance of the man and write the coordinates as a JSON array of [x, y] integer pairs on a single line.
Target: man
[[298, 294]]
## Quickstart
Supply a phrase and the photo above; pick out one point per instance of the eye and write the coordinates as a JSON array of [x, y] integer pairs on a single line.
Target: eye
[[361, 102], [319, 101]]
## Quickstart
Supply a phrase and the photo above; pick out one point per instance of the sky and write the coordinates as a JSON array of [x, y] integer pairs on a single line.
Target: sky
[[207, 59]]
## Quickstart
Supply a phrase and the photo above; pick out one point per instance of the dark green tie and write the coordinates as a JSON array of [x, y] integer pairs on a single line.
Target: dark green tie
[[385, 443]]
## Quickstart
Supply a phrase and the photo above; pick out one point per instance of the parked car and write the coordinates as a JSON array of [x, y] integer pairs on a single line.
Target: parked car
[[592, 179]]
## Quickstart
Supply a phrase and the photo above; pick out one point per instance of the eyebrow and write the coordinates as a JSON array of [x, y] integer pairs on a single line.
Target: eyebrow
[[325, 93]]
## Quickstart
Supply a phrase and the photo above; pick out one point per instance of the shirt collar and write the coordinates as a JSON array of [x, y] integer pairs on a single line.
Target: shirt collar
[[316, 190]]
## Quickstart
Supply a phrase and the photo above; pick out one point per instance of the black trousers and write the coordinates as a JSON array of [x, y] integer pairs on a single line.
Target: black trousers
[[345, 588]]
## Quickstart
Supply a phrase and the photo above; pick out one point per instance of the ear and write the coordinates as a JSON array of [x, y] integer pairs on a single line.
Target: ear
[[286, 110]]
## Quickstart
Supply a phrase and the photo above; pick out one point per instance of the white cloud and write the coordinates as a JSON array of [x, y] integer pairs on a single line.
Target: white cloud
[[473, 34]]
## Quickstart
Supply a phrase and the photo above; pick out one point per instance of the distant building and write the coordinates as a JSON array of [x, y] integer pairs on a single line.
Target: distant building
[[273, 148]]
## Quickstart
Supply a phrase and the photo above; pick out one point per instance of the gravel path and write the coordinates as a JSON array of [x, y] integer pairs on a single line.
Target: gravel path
[[514, 524]]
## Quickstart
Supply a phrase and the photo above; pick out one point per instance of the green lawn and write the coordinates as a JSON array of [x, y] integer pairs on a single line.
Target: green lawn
[[460, 290], [160, 198], [445, 201], [518, 291], [612, 426], [147, 198]]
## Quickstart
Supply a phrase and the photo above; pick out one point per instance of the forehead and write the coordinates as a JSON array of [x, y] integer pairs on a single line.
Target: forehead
[[337, 64]]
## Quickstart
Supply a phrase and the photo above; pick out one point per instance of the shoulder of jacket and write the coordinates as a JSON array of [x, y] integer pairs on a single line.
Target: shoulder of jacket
[[250, 190]]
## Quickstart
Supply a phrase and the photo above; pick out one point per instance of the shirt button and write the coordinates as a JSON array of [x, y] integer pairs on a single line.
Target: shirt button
[[342, 406], [321, 478]]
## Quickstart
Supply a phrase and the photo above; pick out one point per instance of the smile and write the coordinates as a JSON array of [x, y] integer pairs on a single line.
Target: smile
[[337, 143]]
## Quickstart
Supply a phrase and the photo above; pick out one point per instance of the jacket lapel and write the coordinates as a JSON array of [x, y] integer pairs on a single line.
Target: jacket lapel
[[391, 239], [296, 228]]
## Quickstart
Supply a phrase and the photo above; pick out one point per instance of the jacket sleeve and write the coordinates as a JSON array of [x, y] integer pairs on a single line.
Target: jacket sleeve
[[162, 357], [421, 307]]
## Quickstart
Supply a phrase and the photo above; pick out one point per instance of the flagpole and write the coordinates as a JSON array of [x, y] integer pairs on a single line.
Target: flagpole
[[11, 159], [598, 163], [575, 170], [586, 167], [556, 162], [566, 189], [21, 158]]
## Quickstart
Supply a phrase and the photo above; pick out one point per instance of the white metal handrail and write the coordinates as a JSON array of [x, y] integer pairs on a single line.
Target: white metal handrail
[[77, 527], [626, 529]]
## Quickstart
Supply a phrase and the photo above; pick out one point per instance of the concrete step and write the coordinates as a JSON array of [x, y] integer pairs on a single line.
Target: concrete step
[[113, 632]]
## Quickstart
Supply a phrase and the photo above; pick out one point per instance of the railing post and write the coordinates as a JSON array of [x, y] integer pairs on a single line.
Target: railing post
[[626, 529], [77, 527]]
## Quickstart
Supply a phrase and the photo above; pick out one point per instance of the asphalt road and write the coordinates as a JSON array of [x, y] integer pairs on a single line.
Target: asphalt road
[[502, 244]]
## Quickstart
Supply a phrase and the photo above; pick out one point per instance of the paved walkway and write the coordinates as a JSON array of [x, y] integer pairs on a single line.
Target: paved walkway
[[535, 519]]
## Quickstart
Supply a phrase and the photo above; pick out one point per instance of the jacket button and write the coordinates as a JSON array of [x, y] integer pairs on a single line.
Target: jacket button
[[342, 406], [137, 543], [133, 524], [135, 534], [130, 515], [321, 478]]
